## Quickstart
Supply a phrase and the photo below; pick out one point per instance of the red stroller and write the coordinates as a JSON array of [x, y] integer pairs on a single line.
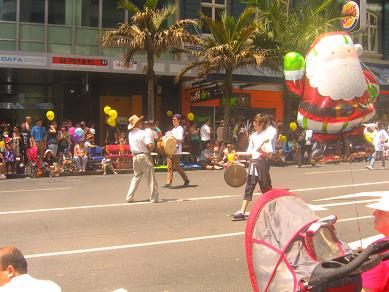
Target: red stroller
[[290, 249], [35, 165]]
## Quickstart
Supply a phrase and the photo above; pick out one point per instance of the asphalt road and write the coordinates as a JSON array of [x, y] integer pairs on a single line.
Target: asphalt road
[[80, 233]]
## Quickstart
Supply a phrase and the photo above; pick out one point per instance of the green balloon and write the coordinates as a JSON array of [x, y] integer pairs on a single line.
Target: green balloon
[[294, 61], [373, 92]]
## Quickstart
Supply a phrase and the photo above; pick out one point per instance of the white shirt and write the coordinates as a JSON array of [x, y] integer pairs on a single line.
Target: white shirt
[[205, 133], [138, 140], [379, 138], [257, 140], [153, 134], [308, 137], [272, 134], [26, 283], [178, 134]]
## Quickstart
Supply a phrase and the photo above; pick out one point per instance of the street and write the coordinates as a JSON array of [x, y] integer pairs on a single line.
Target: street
[[79, 231]]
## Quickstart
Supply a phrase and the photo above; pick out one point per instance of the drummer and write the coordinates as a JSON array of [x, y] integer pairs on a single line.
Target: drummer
[[173, 162], [260, 150]]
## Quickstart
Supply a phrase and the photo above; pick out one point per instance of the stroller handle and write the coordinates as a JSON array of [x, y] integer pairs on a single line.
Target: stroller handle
[[346, 269]]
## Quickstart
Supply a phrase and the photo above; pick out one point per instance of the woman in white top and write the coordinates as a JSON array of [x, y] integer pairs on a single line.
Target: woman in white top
[[260, 149]]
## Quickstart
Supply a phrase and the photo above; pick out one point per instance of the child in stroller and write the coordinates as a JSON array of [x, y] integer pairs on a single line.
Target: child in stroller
[[37, 168]]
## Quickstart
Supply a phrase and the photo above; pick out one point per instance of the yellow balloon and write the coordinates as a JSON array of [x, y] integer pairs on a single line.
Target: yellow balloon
[[2, 144], [293, 126], [169, 113], [190, 116], [50, 115], [282, 138], [107, 109], [230, 157], [113, 113], [369, 137], [111, 121]]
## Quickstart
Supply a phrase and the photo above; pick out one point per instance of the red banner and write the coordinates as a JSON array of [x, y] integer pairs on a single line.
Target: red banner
[[69, 61]]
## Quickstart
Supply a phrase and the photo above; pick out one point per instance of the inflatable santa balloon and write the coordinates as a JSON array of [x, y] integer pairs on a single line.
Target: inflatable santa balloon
[[337, 95]]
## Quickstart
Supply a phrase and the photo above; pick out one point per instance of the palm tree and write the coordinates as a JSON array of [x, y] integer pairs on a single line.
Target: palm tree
[[147, 33], [294, 28], [230, 46]]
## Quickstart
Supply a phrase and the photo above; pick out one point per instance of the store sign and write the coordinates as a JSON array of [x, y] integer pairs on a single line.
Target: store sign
[[354, 15], [239, 100], [118, 65], [79, 62], [23, 60], [206, 94]]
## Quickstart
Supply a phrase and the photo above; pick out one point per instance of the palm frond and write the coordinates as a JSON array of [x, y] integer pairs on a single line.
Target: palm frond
[[131, 7], [151, 4]]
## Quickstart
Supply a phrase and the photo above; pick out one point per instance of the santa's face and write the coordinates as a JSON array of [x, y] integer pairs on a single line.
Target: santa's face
[[336, 72]]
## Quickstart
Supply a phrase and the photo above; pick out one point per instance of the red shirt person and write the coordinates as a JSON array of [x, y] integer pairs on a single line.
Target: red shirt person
[[377, 279]]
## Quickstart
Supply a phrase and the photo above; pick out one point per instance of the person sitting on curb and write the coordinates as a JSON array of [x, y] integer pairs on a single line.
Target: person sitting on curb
[[14, 277], [106, 164], [207, 158], [377, 279]]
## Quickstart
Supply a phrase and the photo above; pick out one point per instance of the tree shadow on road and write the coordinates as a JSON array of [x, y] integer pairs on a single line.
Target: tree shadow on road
[[183, 187]]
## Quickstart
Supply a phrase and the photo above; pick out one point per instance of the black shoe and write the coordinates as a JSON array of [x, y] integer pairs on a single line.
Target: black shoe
[[167, 186], [186, 183], [238, 216]]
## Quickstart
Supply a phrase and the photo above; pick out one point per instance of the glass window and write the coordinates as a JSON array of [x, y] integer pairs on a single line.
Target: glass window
[[213, 9], [32, 32], [7, 31], [8, 10], [32, 11], [60, 12], [111, 14], [88, 13], [32, 47], [7, 45]]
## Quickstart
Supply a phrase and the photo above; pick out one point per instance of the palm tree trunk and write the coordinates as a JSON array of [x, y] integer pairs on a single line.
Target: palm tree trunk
[[227, 102], [150, 86]]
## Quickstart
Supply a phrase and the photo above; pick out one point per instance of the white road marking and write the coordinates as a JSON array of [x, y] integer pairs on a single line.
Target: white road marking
[[317, 207], [365, 242], [348, 203], [108, 205], [34, 190], [355, 218], [354, 245], [352, 196], [127, 246], [336, 171], [342, 186]]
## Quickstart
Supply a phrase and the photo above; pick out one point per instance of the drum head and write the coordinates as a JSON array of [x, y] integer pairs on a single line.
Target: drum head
[[169, 146], [235, 175]]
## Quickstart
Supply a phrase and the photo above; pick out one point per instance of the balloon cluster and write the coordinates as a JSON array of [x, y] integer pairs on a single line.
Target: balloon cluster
[[112, 115], [50, 115], [76, 133]]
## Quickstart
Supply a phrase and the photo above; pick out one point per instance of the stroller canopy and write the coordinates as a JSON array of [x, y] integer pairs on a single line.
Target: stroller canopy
[[285, 240]]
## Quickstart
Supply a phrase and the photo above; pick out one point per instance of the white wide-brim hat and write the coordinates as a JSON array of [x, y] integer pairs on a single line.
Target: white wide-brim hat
[[133, 120], [382, 204]]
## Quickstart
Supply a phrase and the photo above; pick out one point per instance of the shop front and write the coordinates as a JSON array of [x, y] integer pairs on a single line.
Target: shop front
[[247, 100]]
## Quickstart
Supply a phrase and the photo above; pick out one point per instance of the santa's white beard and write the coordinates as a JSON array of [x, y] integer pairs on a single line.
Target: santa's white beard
[[337, 78]]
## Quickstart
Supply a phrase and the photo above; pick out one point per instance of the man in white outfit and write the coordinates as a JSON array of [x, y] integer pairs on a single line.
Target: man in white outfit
[[205, 134], [141, 145], [380, 137], [173, 161], [14, 277]]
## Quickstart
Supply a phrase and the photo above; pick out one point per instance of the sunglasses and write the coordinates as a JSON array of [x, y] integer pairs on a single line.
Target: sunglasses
[[175, 120]]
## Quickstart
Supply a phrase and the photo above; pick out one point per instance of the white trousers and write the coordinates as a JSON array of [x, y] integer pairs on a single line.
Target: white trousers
[[143, 167]]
